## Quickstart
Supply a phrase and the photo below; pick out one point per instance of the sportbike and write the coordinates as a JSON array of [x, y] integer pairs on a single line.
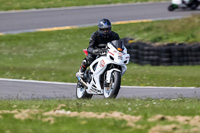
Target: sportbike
[[104, 74], [192, 4]]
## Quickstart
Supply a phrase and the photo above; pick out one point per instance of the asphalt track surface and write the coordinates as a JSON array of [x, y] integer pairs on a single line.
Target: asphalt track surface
[[33, 20], [29, 89]]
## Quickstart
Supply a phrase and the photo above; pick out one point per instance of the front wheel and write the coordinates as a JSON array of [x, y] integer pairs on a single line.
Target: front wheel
[[81, 92], [172, 7], [112, 90]]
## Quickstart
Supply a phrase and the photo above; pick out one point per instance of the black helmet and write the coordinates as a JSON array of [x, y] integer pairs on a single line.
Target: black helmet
[[104, 26]]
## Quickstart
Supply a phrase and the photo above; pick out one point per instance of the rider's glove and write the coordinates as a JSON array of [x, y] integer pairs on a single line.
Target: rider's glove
[[96, 51], [99, 51], [103, 52]]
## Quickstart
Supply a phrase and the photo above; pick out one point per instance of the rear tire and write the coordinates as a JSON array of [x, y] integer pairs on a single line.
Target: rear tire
[[114, 86], [81, 92], [194, 6]]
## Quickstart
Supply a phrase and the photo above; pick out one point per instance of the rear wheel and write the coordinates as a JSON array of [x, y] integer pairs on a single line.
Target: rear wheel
[[113, 88], [81, 92], [194, 6]]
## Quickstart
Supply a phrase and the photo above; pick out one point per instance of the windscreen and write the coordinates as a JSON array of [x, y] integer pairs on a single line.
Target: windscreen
[[118, 44]]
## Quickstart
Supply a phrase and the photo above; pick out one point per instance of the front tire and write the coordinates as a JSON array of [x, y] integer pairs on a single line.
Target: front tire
[[114, 86], [172, 7], [81, 92]]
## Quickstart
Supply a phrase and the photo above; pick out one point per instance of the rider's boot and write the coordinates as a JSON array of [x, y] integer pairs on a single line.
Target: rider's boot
[[81, 71]]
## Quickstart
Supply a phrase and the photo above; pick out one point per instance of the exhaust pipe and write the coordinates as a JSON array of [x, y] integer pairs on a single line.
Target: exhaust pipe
[[83, 83], [81, 80]]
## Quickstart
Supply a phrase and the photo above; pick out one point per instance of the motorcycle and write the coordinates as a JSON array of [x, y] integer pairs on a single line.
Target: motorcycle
[[104, 74], [192, 4]]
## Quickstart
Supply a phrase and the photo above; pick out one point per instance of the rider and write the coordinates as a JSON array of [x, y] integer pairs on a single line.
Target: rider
[[102, 36]]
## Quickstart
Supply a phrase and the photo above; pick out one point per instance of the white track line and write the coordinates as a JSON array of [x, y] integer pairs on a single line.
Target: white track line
[[63, 83], [35, 81], [161, 87]]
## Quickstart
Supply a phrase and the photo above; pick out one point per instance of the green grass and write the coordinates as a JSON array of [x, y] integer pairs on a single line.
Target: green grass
[[57, 55], [145, 109], [36, 4], [162, 76], [179, 30]]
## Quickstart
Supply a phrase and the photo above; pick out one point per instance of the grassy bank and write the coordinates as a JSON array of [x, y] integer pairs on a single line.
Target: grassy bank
[[110, 116], [37, 4], [57, 55], [186, 30]]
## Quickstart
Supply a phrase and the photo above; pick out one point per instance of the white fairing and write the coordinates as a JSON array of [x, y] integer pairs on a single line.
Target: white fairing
[[99, 65], [187, 1], [177, 2]]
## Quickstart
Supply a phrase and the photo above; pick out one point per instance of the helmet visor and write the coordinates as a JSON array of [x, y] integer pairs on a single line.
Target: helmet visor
[[105, 31]]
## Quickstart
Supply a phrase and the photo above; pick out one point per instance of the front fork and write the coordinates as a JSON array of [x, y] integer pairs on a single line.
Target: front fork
[[108, 75]]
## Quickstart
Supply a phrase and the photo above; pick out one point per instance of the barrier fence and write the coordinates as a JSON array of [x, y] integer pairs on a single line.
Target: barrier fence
[[167, 55]]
